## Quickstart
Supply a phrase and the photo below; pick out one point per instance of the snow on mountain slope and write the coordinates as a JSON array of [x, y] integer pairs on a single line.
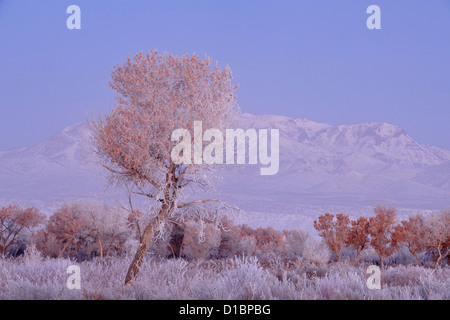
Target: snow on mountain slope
[[353, 165], [380, 141], [321, 167], [52, 171], [63, 149], [437, 176]]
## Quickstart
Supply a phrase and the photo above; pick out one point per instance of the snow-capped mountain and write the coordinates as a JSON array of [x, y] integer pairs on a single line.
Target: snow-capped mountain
[[381, 142], [320, 166], [51, 171], [347, 165]]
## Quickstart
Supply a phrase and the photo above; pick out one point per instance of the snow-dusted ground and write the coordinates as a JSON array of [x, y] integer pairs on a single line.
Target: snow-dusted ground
[[323, 168], [237, 279]]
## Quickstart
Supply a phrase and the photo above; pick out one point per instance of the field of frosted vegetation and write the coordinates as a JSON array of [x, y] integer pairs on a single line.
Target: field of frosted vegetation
[[232, 262]]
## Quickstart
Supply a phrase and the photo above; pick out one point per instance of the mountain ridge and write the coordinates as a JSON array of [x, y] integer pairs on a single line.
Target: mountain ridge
[[345, 165]]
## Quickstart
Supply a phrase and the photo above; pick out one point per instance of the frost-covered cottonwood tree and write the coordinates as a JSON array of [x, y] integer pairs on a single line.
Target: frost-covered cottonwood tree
[[335, 232], [382, 232], [412, 234], [17, 224], [437, 234], [106, 226], [156, 94]]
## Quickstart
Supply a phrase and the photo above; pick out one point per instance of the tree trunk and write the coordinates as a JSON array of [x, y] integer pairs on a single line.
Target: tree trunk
[[63, 249], [144, 243], [100, 245], [358, 252], [417, 258], [440, 257], [147, 236]]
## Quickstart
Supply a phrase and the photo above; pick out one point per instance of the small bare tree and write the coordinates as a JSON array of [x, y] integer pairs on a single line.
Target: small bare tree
[[381, 230], [412, 234], [107, 226], [359, 235], [67, 226], [446, 219], [335, 232], [437, 232], [16, 224], [156, 94]]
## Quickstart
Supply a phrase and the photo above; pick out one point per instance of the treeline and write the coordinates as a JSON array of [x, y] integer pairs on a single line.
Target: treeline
[[84, 230], [386, 235], [79, 230]]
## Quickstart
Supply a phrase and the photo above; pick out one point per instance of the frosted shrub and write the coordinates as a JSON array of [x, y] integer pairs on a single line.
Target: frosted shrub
[[295, 243], [401, 276], [339, 286], [434, 285], [34, 280], [32, 254], [316, 252], [195, 247], [237, 278], [246, 246], [302, 247], [249, 281], [130, 245]]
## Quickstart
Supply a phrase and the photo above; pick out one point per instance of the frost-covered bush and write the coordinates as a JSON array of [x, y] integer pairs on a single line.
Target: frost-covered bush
[[316, 252], [83, 230], [301, 246], [201, 244], [32, 254], [295, 243]]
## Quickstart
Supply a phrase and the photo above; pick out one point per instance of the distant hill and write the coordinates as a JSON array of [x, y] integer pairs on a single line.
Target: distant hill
[[321, 166]]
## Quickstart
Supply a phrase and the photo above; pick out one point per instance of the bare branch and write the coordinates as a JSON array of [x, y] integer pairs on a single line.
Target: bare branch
[[197, 201]]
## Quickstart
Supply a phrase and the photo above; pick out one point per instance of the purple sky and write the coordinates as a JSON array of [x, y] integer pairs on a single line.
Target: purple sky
[[301, 58]]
